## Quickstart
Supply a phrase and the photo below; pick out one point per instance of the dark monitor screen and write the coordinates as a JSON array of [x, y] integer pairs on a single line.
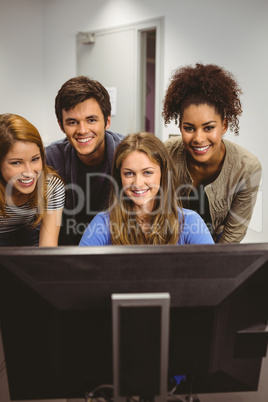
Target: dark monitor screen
[[55, 306]]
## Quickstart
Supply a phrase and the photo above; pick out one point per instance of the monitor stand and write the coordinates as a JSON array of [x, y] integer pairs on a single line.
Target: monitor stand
[[140, 346], [123, 322]]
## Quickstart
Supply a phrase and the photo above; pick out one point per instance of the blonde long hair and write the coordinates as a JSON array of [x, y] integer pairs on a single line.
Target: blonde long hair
[[165, 227], [15, 128]]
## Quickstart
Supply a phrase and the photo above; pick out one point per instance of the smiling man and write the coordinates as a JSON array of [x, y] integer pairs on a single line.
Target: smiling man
[[84, 158]]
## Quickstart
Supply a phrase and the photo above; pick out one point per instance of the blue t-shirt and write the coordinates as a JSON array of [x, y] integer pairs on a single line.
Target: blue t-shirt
[[194, 230]]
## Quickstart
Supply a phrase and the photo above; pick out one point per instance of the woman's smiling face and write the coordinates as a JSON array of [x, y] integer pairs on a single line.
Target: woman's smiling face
[[202, 130], [22, 166], [141, 178]]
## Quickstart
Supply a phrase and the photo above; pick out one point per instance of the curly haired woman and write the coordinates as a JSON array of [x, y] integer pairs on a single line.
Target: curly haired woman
[[218, 178]]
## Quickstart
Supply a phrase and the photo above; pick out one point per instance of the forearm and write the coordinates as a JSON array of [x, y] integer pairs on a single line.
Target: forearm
[[50, 229]]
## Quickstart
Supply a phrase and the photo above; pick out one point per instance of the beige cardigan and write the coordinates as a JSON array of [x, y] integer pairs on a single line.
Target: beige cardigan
[[232, 195]]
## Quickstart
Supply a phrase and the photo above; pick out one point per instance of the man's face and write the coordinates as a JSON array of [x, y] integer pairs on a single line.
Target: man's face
[[85, 128]]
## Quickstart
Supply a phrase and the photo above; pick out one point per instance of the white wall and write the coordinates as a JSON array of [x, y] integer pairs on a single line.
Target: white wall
[[21, 60], [38, 54]]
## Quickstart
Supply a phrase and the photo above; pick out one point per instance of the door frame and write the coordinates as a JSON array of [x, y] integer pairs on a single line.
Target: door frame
[[158, 25], [139, 27]]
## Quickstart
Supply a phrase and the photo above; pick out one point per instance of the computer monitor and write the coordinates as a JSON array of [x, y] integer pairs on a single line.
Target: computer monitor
[[56, 317]]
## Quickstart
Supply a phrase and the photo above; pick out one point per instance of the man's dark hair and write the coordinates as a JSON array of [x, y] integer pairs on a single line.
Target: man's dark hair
[[79, 89]]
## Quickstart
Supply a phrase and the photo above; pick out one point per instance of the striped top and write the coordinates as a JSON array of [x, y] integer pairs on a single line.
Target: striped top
[[24, 215]]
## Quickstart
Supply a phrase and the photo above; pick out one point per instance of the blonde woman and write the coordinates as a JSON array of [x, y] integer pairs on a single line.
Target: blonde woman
[[143, 203]]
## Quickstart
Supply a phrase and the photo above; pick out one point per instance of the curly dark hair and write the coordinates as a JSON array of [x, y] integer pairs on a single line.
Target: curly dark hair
[[78, 89], [203, 84]]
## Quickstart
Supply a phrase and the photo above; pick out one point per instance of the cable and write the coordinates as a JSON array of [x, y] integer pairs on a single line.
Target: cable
[[89, 396]]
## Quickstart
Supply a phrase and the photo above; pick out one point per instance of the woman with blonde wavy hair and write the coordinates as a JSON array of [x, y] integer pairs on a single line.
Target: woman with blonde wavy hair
[[143, 204], [31, 194]]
